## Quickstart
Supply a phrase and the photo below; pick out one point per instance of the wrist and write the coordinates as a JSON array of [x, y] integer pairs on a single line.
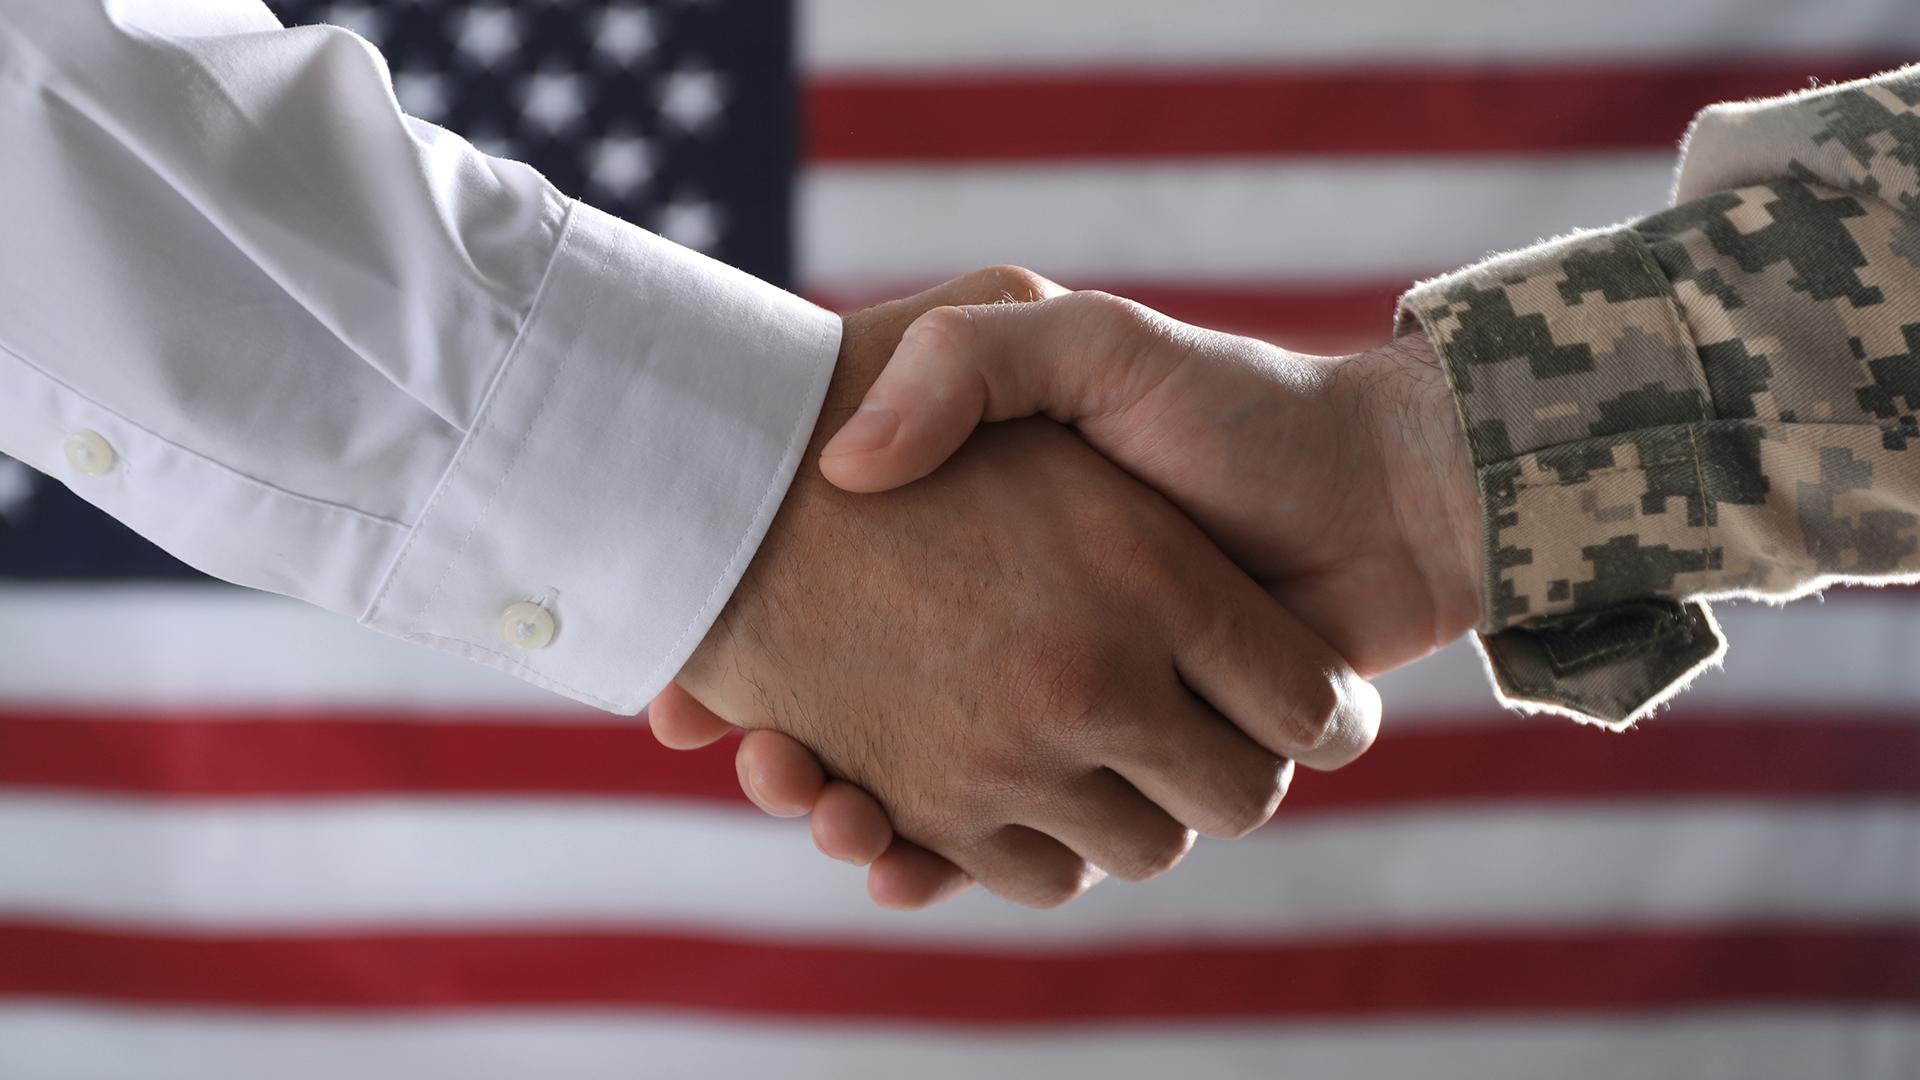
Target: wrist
[[1429, 476]]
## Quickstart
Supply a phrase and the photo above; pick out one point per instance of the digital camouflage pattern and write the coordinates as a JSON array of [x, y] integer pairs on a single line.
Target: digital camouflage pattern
[[1717, 400]]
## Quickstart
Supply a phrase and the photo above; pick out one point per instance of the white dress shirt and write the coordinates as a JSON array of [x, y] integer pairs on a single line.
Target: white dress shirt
[[309, 344]]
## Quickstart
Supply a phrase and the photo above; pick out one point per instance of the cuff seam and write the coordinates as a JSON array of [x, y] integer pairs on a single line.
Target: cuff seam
[[474, 434], [764, 510], [526, 433], [480, 420]]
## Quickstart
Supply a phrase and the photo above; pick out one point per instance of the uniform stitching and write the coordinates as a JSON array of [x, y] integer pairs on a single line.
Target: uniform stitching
[[1706, 515], [1687, 350]]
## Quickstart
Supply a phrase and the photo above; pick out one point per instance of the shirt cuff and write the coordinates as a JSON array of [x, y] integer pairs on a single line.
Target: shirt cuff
[[622, 472], [1584, 403]]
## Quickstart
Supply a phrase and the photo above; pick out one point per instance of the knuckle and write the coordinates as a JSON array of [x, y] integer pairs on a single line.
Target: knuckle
[[1116, 314], [1012, 283], [1312, 710], [942, 328], [1338, 718], [1147, 857], [1243, 806], [1057, 887]]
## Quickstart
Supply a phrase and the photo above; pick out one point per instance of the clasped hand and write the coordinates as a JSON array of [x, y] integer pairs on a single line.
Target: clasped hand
[[1027, 666]]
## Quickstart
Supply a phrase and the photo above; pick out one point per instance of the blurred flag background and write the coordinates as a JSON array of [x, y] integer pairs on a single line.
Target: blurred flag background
[[242, 839]]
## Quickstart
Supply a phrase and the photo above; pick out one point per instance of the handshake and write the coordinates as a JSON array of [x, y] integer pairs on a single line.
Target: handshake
[[1057, 649]]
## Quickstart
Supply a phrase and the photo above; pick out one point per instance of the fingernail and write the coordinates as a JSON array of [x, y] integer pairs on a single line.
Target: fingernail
[[872, 428], [759, 785]]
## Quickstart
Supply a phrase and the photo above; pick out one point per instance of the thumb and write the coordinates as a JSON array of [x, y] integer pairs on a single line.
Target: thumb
[[680, 722], [956, 367]]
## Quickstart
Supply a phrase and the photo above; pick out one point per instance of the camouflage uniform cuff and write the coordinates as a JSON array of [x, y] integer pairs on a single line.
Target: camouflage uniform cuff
[[1583, 399]]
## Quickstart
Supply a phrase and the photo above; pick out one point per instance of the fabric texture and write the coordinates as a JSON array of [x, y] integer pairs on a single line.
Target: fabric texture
[[340, 354], [1718, 400]]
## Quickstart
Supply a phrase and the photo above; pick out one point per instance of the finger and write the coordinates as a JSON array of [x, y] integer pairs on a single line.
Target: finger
[[681, 723], [1028, 867], [779, 774], [991, 285], [908, 877], [1200, 768], [1274, 678], [1111, 825], [1071, 356], [988, 285], [849, 824]]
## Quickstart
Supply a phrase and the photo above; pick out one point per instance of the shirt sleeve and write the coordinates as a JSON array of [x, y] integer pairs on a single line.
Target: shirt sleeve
[[309, 344], [1715, 401]]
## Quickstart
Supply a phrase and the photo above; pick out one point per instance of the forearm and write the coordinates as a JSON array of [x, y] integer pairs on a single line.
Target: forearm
[[1716, 400], [1713, 401], [334, 352]]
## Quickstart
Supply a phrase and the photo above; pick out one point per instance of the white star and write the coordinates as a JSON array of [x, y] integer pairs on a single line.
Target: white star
[[421, 93], [16, 487], [359, 18], [691, 98], [693, 223], [624, 34], [552, 101], [488, 33], [620, 164]]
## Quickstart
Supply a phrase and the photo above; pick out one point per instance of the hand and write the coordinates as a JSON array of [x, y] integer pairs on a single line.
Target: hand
[[1343, 485], [1030, 659]]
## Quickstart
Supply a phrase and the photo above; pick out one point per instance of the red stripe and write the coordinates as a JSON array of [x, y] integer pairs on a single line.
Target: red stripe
[[1438, 975], [1402, 110], [285, 753], [238, 756]]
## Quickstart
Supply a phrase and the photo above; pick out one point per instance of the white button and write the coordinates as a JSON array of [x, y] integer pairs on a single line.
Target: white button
[[527, 626], [88, 453]]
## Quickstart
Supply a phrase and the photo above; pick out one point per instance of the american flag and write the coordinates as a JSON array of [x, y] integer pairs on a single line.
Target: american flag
[[242, 839]]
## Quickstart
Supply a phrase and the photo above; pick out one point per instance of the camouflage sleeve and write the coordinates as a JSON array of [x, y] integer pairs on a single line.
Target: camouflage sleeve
[[1718, 400]]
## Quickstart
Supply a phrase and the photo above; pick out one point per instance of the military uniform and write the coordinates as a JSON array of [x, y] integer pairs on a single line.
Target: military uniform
[[1718, 400]]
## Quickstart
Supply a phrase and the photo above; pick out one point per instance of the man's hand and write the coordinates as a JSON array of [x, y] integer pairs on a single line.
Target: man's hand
[[1041, 669], [1343, 485]]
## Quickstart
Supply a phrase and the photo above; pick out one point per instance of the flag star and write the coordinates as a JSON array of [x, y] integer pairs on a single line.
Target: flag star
[[620, 164], [624, 34], [691, 98], [693, 223], [553, 101], [488, 33], [16, 487], [359, 18], [422, 94]]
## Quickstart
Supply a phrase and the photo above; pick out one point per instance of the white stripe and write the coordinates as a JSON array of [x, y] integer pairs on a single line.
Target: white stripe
[[65, 1042], [1175, 222], [151, 648], [888, 35], [451, 863], [1815, 658], [209, 646]]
